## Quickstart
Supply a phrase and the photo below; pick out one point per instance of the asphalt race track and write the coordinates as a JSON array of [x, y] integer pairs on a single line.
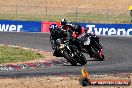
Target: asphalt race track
[[117, 51]]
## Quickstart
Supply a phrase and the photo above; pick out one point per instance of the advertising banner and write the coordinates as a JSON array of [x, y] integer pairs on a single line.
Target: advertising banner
[[45, 26], [37, 26], [20, 26], [108, 29]]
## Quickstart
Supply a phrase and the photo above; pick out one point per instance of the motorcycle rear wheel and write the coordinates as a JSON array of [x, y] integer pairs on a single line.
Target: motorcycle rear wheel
[[101, 58]]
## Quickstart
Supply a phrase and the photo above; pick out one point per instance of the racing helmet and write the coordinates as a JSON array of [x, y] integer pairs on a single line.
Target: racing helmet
[[53, 27], [63, 22], [77, 29]]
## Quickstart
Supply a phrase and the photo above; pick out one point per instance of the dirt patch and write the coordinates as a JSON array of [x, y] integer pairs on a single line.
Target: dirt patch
[[63, 6], [57, 82]]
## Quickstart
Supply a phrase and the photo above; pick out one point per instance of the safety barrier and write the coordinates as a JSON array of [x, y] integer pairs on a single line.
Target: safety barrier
[[20, 26], [45, 26], [108, 29], [37, 26]]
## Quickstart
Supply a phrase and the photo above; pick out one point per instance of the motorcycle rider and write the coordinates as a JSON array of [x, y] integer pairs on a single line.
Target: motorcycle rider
[[75, 36], [57, 33], [54, 30], [63, 22], [79, 36], [72, 35], [54, 35]]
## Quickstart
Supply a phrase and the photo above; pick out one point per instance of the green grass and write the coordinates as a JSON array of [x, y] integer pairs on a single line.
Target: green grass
[[71, 17], [14, 54]]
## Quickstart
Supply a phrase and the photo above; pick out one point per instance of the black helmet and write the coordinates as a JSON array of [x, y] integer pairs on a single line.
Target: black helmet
[[53, 27], [77, 29], [63, 22]]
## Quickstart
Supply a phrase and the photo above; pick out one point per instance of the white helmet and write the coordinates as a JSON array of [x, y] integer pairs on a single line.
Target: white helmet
[[63, 22]]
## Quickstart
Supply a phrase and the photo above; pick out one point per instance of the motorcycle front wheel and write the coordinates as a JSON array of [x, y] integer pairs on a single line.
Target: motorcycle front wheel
[[69, 58], [81, 58]]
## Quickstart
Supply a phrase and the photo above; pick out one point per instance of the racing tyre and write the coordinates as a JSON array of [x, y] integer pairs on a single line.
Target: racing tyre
[[57, 53], [82, 59], [102, 59], [69, 58]]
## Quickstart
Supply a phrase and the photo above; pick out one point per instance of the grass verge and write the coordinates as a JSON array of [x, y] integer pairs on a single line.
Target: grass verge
[[10, 54], [87, 17]]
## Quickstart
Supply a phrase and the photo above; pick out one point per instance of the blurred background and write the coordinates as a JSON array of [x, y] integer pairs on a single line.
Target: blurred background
[[100, 11]]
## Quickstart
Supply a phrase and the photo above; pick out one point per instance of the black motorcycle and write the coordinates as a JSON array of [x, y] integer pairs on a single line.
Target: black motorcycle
[[91, 45], [71, 52], [62, 47]]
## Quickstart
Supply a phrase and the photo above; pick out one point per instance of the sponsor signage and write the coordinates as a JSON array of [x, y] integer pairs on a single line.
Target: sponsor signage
[[108, 29], [36, 26], [11, 27], [20, 26]]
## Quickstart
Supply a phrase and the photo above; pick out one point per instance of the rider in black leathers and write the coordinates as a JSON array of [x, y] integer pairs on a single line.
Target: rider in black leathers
[[71, 35], [57, 33], [68, 33]]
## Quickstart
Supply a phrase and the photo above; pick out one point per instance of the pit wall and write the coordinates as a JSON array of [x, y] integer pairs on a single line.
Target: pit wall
[[38, 26]]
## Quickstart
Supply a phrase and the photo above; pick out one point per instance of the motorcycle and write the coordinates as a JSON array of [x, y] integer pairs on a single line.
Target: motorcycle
[[66, 49], [71, 52], [91, 45]]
